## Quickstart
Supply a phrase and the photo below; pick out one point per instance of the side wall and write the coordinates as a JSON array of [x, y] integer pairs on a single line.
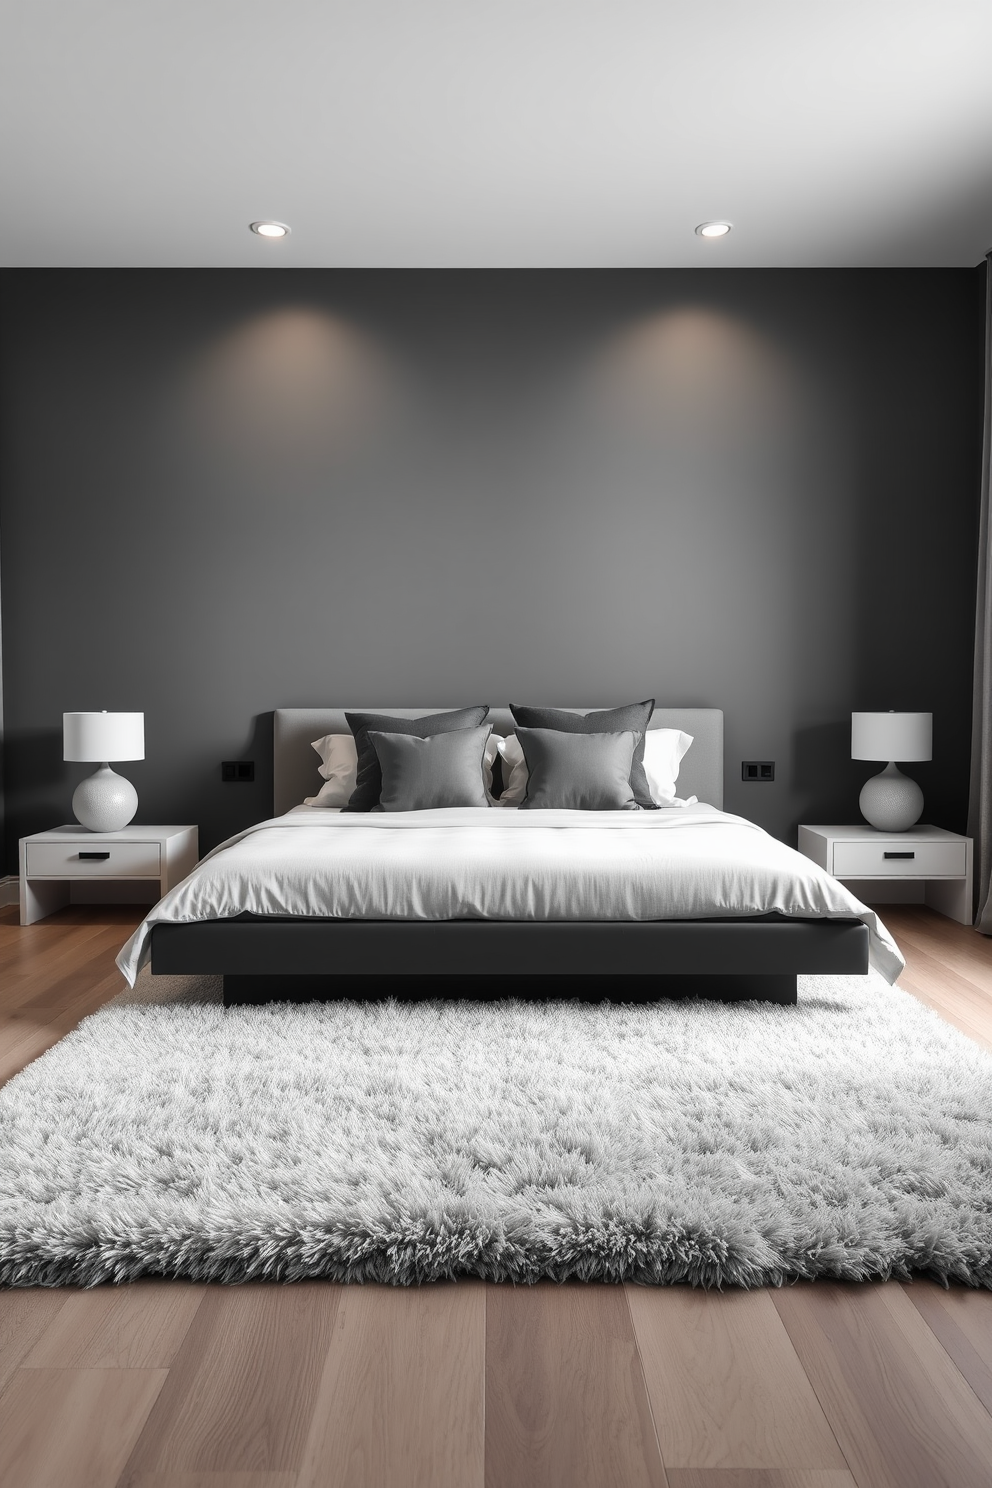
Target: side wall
[[226, 491]]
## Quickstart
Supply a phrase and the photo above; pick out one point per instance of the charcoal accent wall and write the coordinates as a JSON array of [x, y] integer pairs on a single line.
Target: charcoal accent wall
[[227, 491]]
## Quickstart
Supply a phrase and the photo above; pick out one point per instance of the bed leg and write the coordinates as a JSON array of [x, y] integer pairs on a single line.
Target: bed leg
[[241, 991], [781, 989], [785, 990]]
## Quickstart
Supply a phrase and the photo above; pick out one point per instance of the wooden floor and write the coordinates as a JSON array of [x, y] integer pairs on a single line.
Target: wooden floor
[[170, 1385]]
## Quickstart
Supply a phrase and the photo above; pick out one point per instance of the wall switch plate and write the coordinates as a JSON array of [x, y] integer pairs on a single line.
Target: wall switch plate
[[240, 772], [757, 769]]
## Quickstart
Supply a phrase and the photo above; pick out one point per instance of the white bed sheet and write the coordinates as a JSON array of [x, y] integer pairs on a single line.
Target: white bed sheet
[[688, 862]]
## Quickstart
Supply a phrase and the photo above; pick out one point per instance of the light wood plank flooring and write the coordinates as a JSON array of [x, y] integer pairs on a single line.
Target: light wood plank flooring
[[169, 1385]]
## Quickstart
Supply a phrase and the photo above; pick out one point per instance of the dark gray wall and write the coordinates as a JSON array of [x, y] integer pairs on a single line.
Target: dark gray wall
[[227, 491]]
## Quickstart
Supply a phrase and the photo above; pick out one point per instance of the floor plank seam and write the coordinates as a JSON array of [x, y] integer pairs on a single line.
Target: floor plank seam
[[962, 1378], [644, 1379], [816, 1394]]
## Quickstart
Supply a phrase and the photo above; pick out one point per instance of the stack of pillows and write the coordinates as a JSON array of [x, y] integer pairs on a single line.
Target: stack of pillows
[[602, 761]]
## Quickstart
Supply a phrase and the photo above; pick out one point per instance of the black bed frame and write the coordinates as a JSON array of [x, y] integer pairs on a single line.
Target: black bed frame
[[262, 959], [265, 959]]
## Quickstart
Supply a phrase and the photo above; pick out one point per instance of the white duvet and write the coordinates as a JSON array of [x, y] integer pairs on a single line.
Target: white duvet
[[688, 862]]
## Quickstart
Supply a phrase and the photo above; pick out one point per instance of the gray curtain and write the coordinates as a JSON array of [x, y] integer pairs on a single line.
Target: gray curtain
[[980, 802]]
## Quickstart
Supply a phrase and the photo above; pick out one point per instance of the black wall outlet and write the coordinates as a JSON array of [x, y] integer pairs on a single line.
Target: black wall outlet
[[757, 769], [240, 772]]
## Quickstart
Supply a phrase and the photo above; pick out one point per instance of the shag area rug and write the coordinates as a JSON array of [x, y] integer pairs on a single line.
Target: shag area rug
[[745, 1144]]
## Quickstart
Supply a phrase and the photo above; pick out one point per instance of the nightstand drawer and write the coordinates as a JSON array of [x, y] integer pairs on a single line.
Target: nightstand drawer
[[890, 858], [94, 859]]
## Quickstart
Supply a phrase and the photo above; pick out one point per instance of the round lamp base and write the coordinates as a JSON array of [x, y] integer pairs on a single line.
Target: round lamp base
[[104, 801], [891, 801]]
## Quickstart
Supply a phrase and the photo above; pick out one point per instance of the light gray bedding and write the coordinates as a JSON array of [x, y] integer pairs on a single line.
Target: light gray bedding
[[689, 862]]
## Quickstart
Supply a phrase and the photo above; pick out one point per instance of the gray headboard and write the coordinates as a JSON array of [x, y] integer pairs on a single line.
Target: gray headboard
[[295, 763]]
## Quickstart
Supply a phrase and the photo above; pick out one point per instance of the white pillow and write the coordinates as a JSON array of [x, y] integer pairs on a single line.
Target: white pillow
[[488, 760], [514, 771], [339, 767], [663, 751]]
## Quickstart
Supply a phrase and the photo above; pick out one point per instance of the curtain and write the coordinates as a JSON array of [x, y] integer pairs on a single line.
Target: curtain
[[980, 802]]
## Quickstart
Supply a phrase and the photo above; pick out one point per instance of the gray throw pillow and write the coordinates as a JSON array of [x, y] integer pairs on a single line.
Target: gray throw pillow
[[578, 772], [632, 716], [422, 774], [368, 781]]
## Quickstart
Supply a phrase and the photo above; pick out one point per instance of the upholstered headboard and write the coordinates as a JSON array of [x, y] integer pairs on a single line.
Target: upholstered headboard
[[295, 763]]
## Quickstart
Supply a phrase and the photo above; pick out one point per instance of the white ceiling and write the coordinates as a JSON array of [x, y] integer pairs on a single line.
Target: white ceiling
[[586, 133]]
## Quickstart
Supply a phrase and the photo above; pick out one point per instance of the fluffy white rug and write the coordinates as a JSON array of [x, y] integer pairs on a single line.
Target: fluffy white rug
[[850, 1136]]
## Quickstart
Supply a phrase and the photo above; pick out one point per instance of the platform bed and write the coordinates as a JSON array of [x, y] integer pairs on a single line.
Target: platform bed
[[294, 960], [291, 959]]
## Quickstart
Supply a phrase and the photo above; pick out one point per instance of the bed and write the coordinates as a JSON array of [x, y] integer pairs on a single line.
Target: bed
[[263, 952]]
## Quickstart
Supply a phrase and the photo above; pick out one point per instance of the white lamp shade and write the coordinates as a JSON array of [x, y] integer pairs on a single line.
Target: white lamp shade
[[103, 736], [892, 736]]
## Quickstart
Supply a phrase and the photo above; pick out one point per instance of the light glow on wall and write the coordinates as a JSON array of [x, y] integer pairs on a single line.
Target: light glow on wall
[[289, 389]]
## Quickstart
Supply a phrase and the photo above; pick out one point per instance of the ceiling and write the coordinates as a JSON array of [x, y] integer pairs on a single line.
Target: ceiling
[[519, 133]]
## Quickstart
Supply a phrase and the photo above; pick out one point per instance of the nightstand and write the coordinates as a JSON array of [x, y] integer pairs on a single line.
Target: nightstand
[[934, 866], [71, 863]]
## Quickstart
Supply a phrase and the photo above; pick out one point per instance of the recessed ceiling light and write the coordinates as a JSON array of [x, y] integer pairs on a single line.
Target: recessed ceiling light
[[270, 229], [713, 229]]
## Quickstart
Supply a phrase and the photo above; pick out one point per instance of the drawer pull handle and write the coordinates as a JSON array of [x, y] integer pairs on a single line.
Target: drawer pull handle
[[899, 855], [94, 857]]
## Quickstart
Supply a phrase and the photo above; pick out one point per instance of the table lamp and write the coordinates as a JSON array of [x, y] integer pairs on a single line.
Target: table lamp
[[891, 801], [104, 801]]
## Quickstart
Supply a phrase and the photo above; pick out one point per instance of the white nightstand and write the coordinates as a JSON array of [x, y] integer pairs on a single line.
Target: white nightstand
[[932, 866], [71, 863]]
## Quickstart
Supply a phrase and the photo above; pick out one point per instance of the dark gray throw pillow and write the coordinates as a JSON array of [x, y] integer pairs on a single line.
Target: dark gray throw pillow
[[368, 782], [632, 716], [578, 772], [423, 774]]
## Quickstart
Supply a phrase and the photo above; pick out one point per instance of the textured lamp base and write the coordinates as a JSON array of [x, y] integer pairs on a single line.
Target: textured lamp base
[[891, 801], [104, 801]]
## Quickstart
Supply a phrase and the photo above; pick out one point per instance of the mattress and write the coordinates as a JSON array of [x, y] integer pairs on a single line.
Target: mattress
[[688, 862]]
